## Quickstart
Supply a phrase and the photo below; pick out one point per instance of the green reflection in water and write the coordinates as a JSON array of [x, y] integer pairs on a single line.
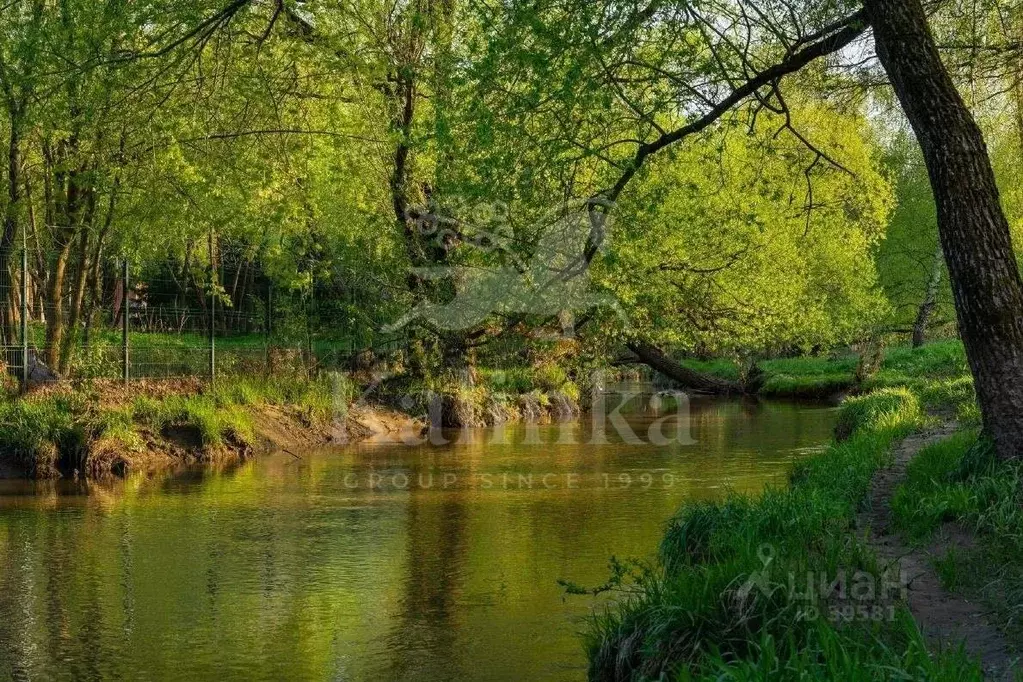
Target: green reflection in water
[[379, 562]]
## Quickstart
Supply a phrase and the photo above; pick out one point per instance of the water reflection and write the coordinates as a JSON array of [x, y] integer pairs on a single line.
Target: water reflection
[[378, 562]]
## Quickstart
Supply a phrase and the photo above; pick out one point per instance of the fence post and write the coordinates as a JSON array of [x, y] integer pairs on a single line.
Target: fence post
[[269, 310], [268, 326], [213, 312], [24, 311], [125, 314]]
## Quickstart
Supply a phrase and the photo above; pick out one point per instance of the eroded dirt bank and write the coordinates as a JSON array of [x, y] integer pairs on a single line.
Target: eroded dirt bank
[[113, 429], [106, 428]]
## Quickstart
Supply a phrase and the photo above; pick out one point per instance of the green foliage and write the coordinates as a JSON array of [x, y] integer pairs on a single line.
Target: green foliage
[[756, 276], [688, 618], [905, 259]]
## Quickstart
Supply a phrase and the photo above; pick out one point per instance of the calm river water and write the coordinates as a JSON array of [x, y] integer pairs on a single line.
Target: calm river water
[[376, 562]]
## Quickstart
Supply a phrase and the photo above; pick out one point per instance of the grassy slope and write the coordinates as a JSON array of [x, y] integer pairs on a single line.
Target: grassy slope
[[684, 617], [792, 377], [934, 369], [69, 428], [92, 426]]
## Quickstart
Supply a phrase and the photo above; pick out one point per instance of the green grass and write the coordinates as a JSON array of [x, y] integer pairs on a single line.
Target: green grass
[[36, 435], [852, 654], [164, 354], [959, 481], [497, 395], [688, 618], [802, 377], [937, 371], [545, 379], [935, 491], [216, 424], [44, 434], [219, 416], [683, 617]]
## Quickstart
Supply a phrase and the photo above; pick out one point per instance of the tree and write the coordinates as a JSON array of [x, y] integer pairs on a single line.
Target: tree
[[731, 56], [974, 231], [910, 263], [18, 76], [772, 258]]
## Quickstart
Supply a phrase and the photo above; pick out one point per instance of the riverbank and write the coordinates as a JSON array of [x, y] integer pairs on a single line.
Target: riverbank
[[750, 588], [932, 369], [106, 427]]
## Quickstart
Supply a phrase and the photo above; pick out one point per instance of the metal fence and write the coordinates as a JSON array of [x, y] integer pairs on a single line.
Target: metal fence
[[66, 318]]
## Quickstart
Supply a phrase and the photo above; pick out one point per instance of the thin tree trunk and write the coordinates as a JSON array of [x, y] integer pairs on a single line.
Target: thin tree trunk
[[95, 284], [923, 314], [655, 358], [246, 289], [39, 274], [120, 302], [233, 322], [10, 230], [81, 278], [974, 231], [55, 312]]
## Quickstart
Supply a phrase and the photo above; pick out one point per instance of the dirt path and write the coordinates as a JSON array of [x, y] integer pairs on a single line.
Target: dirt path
[[946, 619]]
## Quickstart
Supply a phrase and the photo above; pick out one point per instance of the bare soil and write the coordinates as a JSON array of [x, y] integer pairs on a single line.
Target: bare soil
[[948, 620], [276, 427]]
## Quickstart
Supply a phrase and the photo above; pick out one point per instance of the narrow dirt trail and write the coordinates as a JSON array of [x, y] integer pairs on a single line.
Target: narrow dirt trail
[[946, 619]]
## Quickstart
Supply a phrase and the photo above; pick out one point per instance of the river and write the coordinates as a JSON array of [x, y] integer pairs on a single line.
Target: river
[[374, 562]]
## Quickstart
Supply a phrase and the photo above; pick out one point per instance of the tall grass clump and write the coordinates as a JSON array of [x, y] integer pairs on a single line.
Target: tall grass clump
[[41, 434], [850, 655], [54, 432], [960, 479], [218, 416], [695, 614], [317, 400], [938, 489], [886, 411]]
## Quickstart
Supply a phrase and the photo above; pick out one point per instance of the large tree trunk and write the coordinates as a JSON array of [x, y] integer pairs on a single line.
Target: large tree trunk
[[655, 358], [974, 232], [923, 313]]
